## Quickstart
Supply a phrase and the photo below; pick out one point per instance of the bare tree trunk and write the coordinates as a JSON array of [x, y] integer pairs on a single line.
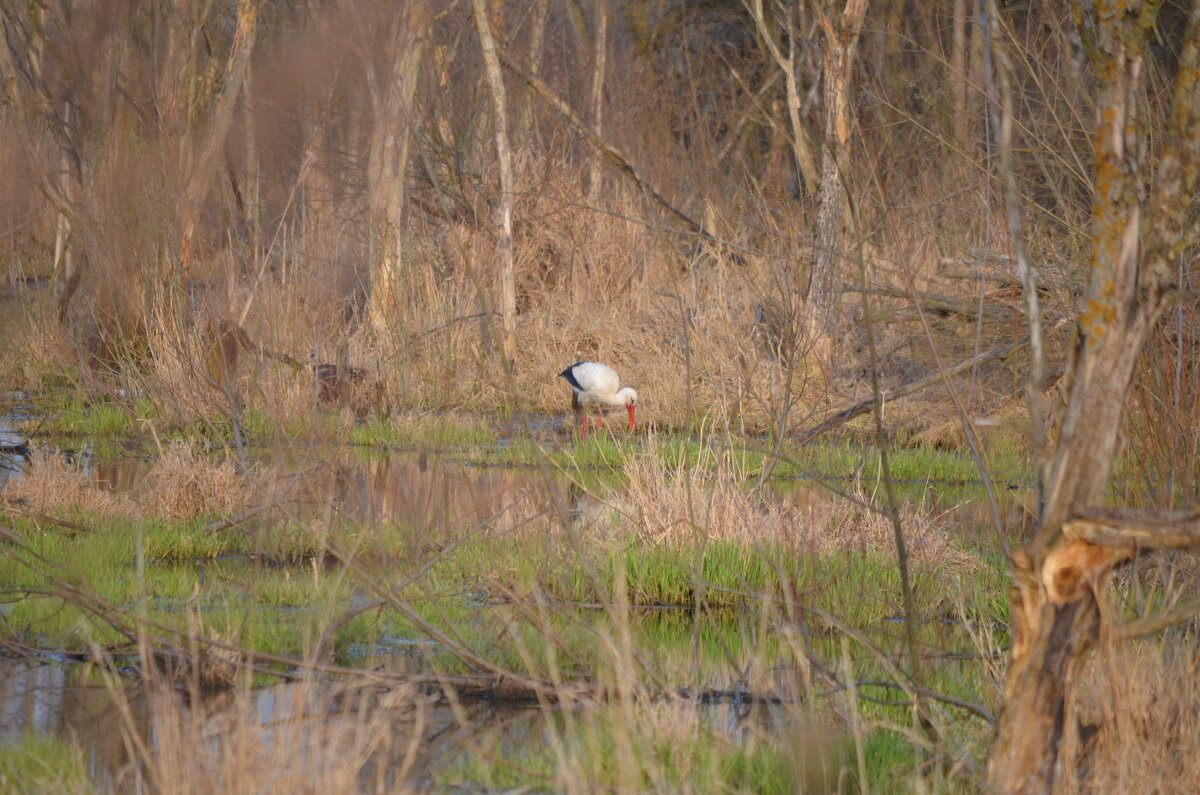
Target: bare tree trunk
[[1059, 580], [387, 160], [198, 164], [68, 262], [958, 75], [841, 48], [504, 211], [997, 77], [251, 211], [599, 58], [62, 225], [537, 39]]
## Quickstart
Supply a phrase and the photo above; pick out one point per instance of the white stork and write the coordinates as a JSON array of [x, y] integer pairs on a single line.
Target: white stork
[[595, 383]]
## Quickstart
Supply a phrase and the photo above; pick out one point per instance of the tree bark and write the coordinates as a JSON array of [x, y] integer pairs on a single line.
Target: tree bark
[[1059, 580], [387, 157], [840, 39]]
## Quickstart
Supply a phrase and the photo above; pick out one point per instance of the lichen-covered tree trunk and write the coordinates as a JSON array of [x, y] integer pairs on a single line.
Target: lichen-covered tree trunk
[[1059, 580], [840, 50]]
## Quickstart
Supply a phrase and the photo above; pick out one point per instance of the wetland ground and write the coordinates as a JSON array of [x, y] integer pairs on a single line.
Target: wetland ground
[[501, 609]]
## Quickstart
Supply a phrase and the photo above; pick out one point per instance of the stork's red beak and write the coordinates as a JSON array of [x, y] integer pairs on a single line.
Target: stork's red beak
[[631, 408]]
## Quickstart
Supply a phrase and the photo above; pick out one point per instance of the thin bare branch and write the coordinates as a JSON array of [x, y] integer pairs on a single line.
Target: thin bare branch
[[612, 153], [997, 75]]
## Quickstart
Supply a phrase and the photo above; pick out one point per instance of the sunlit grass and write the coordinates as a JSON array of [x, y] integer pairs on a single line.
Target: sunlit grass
[[431, 431]]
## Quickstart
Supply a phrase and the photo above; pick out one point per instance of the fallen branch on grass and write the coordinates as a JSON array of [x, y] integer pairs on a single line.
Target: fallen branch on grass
[[862, 407]]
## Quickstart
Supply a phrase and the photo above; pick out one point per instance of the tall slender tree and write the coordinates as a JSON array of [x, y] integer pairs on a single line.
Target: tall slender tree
[[504, 207]]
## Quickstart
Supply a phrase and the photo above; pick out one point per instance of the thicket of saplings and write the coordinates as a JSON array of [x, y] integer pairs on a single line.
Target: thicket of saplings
[[197, 219]]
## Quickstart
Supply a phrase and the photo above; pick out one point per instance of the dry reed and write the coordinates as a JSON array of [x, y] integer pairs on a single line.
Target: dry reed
[[666, 505], [182, 483], [51, 484]]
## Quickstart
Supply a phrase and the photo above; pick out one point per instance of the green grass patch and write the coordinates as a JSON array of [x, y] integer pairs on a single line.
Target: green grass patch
[[74, 415], [176, 574], [432, 431], [37, 763]]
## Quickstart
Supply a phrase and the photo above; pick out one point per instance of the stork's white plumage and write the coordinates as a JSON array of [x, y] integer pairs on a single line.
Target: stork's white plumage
[[593, 383]]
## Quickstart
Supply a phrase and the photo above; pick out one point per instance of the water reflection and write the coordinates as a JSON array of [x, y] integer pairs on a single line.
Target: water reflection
[[731, 650], [68, 701], [14, 452], [392, 737]]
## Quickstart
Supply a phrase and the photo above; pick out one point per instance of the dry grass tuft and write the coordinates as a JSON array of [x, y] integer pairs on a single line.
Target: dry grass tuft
[[183, 483], [51, 485], [288, 738], [721, 508], [37, 350]]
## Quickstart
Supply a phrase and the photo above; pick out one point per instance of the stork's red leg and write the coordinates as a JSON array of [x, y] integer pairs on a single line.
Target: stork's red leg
[[581, 417]]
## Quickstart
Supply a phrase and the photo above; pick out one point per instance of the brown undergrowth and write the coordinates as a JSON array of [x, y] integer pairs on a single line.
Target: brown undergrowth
[[1144, 698]]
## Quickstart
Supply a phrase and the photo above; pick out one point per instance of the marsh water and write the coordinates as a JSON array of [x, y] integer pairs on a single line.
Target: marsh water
[[419, 489]]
